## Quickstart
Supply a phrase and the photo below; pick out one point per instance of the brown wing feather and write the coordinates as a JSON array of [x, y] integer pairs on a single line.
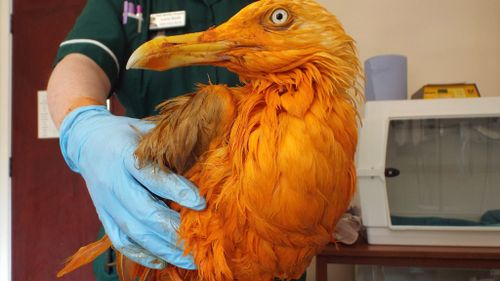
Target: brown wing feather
[[186, 127]]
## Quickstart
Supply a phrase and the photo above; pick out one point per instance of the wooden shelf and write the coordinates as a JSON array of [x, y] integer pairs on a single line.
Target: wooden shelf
[[395, 255]]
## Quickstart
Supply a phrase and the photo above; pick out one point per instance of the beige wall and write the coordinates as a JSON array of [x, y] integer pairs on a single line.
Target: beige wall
[[446, 41], [4, 141]]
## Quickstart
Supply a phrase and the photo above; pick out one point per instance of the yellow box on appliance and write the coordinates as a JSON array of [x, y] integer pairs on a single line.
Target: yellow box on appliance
[[440, 91]]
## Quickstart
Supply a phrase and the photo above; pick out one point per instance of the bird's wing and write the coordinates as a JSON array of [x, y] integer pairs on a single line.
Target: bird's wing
[[187, 127]]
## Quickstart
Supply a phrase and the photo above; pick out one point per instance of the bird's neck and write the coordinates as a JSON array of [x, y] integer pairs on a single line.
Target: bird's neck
[[295, 91]]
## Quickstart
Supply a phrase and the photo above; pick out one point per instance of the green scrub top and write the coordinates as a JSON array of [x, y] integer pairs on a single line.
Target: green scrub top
[[100, 34]]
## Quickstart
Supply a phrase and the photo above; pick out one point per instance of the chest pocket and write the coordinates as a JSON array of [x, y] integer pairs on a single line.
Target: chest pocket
[[142, 90]]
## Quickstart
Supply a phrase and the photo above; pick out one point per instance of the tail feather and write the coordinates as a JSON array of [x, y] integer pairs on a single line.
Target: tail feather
[[85, 255]]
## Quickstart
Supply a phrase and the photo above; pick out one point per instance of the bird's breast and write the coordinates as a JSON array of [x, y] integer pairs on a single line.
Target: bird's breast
[[293, 169]]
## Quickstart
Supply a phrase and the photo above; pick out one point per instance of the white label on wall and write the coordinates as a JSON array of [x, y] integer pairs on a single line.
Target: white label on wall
[[46, 128]]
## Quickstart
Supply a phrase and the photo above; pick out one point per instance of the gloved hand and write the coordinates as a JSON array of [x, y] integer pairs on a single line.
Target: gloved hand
[[100, 147]]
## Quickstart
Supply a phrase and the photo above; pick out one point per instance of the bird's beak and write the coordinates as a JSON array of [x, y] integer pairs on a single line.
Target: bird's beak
[[164, 53]]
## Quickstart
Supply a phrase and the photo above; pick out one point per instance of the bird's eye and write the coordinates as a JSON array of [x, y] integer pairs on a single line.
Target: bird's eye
[[279, 16]]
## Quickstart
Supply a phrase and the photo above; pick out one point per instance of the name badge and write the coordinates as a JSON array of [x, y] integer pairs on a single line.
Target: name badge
[[167, 20]]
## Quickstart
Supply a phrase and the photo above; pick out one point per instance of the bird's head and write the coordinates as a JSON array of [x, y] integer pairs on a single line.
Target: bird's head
[[268, 36]]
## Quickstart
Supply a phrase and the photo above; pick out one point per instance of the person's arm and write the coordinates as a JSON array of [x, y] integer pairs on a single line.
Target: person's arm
[[100, 146], [88, 83]]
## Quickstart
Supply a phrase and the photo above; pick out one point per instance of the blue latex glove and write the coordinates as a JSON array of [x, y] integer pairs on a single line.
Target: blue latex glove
[[100, 147]]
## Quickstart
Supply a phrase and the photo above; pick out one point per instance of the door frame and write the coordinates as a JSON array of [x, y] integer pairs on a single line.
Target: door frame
[[5, 140]]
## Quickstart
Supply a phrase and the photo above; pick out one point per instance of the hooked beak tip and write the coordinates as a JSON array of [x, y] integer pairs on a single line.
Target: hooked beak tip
[[130, 63]]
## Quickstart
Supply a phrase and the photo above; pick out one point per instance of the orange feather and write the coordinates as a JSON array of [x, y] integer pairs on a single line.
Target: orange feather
[[85, 255]]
